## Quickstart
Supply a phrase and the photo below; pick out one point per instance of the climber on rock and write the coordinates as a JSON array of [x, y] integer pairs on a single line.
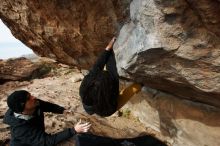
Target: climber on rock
[[99, 90]]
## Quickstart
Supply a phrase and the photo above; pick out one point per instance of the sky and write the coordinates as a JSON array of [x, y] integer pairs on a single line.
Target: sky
[[10, 47]]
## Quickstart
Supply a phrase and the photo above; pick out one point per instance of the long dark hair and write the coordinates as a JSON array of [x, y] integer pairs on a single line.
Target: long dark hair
[[99, 94]]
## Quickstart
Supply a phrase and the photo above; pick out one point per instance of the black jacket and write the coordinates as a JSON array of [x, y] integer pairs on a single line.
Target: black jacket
[[32, 132]]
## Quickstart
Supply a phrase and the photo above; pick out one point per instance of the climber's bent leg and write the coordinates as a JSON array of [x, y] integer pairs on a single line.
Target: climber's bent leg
[[127, 93]]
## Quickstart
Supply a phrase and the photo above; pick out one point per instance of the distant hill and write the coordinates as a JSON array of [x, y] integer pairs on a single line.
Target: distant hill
[[30, 56]]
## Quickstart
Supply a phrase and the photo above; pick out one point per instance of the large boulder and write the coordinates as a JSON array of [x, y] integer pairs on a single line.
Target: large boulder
[[17, 69], [173, 46], [21, 69], [72, 32], [169, 45]]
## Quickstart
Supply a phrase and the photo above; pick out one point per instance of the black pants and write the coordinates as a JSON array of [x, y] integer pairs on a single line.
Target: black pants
[[94, 140]]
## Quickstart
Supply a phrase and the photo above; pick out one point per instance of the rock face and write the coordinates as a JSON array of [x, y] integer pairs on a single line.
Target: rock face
[[172, 46], [73, 32], [180, 122]]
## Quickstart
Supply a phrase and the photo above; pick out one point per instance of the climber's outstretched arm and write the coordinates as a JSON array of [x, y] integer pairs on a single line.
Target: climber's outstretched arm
[[103, 58]]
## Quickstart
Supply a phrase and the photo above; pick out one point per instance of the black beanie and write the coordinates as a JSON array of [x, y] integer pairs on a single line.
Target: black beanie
[[16, 101]]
